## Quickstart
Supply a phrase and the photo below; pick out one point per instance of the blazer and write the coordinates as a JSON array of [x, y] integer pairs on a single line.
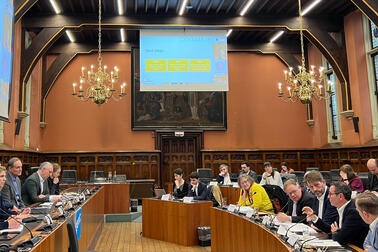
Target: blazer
[[5, 206], [353, 229], [257, 198], [32, 188], [372, 182], [202, 192], [306, 200], [53, 188], [180, 193], [9, 192], [250, 173], [372, 240], [330, 213]]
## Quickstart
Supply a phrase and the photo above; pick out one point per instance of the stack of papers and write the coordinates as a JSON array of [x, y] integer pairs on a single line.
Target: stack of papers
[[322, 244], [13, 230]]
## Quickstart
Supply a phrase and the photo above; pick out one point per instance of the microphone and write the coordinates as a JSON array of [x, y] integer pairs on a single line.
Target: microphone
[[303, 243], [33, 240], [287, 231], [282, 208]]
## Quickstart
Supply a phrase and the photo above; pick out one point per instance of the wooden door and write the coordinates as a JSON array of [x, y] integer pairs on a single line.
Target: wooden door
[[179, 152]]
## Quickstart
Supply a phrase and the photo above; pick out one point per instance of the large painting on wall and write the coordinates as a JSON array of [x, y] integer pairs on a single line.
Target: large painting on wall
[[175, 110]]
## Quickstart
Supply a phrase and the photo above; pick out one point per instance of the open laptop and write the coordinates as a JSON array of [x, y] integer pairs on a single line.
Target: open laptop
[[159, 193]]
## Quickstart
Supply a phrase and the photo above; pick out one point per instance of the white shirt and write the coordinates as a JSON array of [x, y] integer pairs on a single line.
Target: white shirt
[[321, 202], [41, 182], [270, 180], [373, 225], [341, 211], [227, 180]]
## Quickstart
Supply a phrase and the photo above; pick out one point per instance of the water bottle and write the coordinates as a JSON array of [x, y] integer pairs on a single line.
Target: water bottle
[[110, 176]]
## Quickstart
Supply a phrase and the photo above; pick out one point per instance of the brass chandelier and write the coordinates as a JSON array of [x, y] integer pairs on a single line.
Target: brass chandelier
[[304, 85], [100, 83]]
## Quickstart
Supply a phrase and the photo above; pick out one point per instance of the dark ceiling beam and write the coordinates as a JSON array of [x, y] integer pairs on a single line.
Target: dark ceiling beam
[[21, 7], [369, 8], [67, 52]]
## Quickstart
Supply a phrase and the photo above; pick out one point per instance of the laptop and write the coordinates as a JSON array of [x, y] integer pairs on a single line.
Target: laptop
[[159, 193]]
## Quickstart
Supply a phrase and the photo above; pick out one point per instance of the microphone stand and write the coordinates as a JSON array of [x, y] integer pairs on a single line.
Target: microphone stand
[[33, 240], [287, 231]]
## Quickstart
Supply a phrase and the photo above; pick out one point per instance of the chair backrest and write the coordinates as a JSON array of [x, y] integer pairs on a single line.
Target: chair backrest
[[94, 175], [300, 176], [68, 177], [216, 195], [335, 174], [276, 193], [364, 178], [205, 172], [312, 169], [73, 245], [33, 169], [259, 177], [234, 177], [275, 169], [287, 176], [327, 177]]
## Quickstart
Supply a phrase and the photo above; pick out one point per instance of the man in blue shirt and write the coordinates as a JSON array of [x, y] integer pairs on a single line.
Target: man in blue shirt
[[367, 207]]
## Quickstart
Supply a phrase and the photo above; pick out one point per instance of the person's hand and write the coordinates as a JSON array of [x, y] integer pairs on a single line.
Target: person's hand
[[56, 180], [281, 217], [15, 209], [26, 210], [56, 198], [41, 196], [367, 248], [343, 175], [23, 216], [194, 187], [310, 213], [265, 175], [12, 224], [334, 227]]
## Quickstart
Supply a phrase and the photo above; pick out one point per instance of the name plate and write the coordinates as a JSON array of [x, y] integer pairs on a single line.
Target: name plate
[[188, 199], [282, 230], [165, 197], [293, 239], [249, 214], [231, 208], [266, 220]]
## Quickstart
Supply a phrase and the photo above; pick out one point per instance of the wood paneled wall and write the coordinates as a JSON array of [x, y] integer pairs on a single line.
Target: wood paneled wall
[[325, 159]]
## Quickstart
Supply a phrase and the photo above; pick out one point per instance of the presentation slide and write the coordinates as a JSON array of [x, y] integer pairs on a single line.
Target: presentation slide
[[6, 56], [183, 60]]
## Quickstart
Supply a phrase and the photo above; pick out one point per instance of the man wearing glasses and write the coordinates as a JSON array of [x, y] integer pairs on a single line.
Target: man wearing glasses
[[349, 228]]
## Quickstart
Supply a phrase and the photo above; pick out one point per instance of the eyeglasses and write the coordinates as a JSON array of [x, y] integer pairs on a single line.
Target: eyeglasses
[[292, 192], [330, 194]]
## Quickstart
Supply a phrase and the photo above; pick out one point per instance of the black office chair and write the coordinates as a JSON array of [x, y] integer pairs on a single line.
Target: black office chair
[[287, 176], [74, 245], [335, 174], [68, 177], [205, 175], [33, 169], [312, 169], [97, 176], [300, 176], [364, 178], [277, 196], [234, 177], [259, 177], [327, 176]]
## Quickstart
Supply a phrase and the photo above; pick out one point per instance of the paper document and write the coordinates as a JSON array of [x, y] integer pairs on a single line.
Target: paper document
[[323, 243], [13, 230]]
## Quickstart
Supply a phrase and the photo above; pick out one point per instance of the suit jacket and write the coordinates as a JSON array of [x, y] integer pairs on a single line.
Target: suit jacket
[[306, 200], [53, 188], [32, 188], [180, 192], [202, 192], [372, 240], [5, 206], [330, 213], [250, 173], [9, 192], [353, 229], [372, 183]]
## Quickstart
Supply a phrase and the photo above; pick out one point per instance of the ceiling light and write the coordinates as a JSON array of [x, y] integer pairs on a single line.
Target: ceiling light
[[123, 35], [229, 32], [55, 6], [70, 36], [312, 5], [276, 36], [120, 7], [246, 7], [182, 8]]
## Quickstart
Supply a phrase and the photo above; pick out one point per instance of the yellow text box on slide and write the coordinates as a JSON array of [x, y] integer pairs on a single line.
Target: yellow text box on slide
[[199, 65], [177, 65], [155, 65]]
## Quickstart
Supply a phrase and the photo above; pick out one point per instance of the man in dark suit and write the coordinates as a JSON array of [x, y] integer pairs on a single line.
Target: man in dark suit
[[367, 207], [299, 198], [372, 165], [11, 191], [246, 169], [322, 206], [349, 228], [197, 190], [35, 188]]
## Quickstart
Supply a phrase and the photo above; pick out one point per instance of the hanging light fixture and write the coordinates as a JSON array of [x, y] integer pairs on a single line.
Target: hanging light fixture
[[99, 84], [304, 85]]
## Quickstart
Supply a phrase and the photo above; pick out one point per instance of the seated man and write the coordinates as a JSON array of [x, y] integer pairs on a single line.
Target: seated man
[[299, 198], [349, 227], [367, 207], [322, 206], [53, 180], [246, 169], [372, 165], [35, 188], [224, 177], [197, 189], [7, 209]]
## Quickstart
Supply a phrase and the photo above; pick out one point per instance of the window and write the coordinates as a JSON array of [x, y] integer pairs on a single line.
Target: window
[[334, 131], [371, 44]]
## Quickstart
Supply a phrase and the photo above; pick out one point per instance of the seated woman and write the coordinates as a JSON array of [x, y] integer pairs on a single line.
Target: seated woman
[[285, 168], [349, 177], [8, 208], [271, 177], [253, 195], [180, 187]]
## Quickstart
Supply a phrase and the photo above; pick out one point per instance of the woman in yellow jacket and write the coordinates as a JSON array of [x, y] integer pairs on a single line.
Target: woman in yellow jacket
[[253, 195]]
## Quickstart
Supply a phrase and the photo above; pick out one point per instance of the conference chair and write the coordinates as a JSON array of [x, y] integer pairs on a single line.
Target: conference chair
[[97, 176], [205, 175], [73, 243], [335, 174], [259, 177], [68, 177], [275, 169], [277, 196], [285, 177], [300, 176], [312, 169], [215, 195], [234, 177], [327, 177], [33, 169], [364, 178]]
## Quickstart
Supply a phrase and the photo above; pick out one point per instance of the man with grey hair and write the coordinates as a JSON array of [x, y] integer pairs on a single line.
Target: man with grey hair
[[224, 177], [11, 191], [372, 165], [35, 188]]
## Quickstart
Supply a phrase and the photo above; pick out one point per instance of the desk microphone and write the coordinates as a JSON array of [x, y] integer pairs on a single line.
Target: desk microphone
[[303, 243], [33, 240], [287, 231]]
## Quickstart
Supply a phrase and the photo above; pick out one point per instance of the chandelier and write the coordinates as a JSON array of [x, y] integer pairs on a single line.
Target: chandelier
[[99, 84], [304, 85]]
